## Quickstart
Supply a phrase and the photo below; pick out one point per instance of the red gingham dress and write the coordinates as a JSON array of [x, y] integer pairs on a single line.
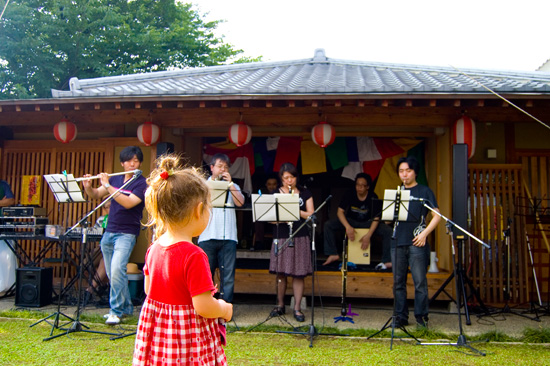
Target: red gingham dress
[[173, 334]]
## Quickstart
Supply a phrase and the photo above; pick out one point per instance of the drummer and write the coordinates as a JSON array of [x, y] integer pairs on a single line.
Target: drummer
[[356, 211], [122, 228]]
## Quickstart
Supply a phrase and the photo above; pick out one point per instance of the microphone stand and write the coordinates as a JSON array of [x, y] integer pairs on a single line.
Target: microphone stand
[[507, 290], [312, 331], [83, 223], [459, 281]]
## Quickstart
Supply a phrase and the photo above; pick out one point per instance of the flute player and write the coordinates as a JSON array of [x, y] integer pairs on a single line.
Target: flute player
[[122, 228]]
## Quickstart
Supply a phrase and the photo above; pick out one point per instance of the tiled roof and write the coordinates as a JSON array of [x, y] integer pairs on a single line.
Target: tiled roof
[[319, 75]]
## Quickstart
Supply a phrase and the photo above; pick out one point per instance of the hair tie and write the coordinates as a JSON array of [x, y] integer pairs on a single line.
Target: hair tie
[[165, 174]]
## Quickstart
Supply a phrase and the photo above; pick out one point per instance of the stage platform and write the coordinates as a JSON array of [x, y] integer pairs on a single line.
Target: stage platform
[[252, 277]]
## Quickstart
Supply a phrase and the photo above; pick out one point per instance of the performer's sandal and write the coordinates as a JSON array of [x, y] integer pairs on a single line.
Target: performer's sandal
[[299, 316]]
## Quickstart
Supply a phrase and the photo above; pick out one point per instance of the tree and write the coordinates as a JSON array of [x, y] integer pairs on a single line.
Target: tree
[[43, 43]]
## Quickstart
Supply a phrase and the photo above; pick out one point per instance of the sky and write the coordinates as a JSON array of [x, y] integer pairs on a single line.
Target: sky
[[480, 34]]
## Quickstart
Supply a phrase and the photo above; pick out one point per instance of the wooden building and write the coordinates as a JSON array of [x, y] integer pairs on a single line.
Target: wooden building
[[509, 174]]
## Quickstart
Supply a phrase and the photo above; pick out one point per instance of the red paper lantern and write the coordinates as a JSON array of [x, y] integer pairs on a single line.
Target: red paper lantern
[[464, 132], [64, 131], [323, 134], [148, 133], [240, 133]]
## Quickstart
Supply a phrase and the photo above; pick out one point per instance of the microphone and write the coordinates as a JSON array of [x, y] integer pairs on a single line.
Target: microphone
[[289, 189], [416, 199]]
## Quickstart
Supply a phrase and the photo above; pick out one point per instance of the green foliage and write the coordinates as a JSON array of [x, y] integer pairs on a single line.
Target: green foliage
[[45, 43], [494, 336], [541, 335]]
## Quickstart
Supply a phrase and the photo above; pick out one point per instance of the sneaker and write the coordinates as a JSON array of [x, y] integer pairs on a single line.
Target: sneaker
[[380, 267], [112, 319], [106, 316]]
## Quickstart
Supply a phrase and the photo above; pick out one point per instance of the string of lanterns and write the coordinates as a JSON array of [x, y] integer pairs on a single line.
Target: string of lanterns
[[66, 131], [322, 134]]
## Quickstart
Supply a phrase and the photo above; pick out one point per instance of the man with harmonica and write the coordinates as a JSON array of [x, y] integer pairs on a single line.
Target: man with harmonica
[[219, 239], [122, 228]]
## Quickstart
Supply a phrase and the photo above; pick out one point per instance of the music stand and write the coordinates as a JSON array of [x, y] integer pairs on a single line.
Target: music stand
[[312, 331], [77, 326], [65, 190], [275, 208], [395, 208]]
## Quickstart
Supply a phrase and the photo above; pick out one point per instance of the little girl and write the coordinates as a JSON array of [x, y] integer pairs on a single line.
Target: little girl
[[178, 323]]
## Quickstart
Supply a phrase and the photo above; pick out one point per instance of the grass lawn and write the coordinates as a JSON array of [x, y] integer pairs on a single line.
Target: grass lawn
[[22, 345]]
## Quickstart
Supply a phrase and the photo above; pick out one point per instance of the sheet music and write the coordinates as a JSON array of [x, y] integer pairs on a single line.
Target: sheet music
[[264, 207], [64, 187], [388, 210], [218, 192], [289, 206]]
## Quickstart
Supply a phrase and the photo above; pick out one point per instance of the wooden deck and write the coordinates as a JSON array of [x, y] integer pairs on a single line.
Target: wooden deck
[[364, 284]]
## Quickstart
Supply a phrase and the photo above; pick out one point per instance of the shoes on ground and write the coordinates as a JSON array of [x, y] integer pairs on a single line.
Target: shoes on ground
[[380, 267], [400, 322], [299, 316], [277, 311], [112, 319]]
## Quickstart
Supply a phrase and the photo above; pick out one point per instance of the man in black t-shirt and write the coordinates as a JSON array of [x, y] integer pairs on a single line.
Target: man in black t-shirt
[[356, 211], [410, 247]]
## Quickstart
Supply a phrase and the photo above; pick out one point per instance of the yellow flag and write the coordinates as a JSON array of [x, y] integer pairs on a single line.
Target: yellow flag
[[313, 158]]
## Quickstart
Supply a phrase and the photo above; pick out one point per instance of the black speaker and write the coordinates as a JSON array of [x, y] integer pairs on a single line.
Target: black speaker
[[460, 189], [33, 286], [164, 148]]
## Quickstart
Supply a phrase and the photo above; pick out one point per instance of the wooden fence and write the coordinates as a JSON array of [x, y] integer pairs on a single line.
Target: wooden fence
[[499, 215]]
